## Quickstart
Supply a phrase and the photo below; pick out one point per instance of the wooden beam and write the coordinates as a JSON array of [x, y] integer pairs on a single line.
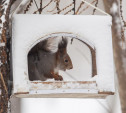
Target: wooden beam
[[119, 52], [63, 95]]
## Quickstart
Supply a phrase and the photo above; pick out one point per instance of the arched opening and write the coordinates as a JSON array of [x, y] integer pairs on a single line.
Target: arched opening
[[81, 53]]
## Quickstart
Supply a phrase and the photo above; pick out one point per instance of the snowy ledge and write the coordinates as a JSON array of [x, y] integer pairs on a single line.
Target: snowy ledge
[[66, 89]]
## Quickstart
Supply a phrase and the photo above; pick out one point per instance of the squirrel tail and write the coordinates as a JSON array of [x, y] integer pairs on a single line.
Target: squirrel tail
[[44, 45]]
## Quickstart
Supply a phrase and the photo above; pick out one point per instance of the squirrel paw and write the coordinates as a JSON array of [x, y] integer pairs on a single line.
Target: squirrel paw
[[60, 78], [56, 76]]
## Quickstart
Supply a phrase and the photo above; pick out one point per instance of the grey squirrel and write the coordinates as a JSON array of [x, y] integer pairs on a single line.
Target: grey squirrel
[[44, 64]]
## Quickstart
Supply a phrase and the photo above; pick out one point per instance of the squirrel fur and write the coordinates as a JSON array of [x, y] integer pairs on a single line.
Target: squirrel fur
[[44, 64]]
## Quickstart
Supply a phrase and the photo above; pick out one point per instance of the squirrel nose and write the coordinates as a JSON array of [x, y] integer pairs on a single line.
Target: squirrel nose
[[71, 67]]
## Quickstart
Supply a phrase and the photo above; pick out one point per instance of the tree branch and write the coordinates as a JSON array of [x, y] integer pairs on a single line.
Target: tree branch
[[4, 67]]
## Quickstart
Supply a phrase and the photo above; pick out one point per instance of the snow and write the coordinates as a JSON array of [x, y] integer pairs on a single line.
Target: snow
[[60, 87], [2, 44], [63, 105], [0, 63], [104, 83], [0, 92], [114, 8], [124, 9], [95, 30], [5, 6]]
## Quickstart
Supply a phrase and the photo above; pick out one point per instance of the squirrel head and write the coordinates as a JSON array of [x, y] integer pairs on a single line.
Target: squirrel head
[[63, 59]]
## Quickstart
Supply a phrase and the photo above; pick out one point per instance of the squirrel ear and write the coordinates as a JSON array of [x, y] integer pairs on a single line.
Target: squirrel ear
[[62, 46], [62, 51]]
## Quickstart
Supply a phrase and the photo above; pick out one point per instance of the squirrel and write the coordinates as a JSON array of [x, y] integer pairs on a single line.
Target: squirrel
[[44, 64]]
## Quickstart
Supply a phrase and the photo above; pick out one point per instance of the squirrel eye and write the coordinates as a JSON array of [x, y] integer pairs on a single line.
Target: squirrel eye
[[66, 60]]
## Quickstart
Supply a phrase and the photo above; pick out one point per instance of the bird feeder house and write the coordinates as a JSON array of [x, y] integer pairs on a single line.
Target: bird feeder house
[[89, 46]]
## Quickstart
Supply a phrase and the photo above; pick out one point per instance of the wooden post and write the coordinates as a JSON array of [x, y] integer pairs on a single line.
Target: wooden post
[[112, 7]]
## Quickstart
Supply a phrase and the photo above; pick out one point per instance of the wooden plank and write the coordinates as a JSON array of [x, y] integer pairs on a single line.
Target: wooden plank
[[70, 95]]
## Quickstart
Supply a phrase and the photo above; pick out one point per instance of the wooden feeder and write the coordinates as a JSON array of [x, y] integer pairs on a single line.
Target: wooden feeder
[[94, 31]]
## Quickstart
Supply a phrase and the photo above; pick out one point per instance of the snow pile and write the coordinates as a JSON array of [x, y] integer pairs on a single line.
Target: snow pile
[[61, 87], [2, 44]]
